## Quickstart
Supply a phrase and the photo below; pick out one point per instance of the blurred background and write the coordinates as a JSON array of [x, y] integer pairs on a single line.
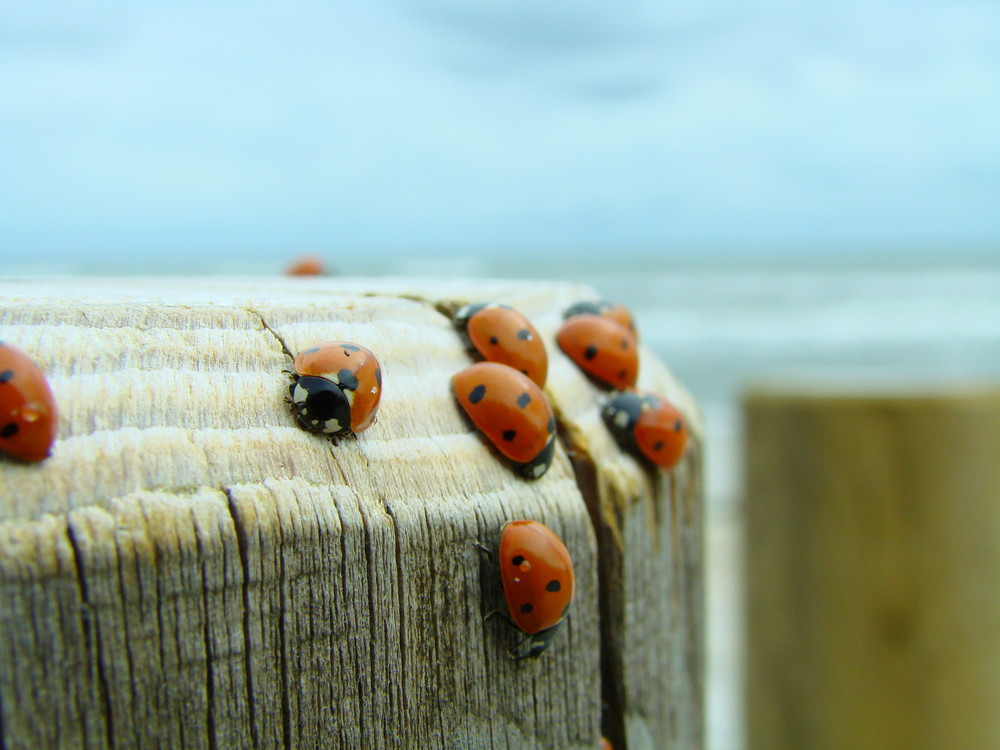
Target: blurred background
[[773, 186]]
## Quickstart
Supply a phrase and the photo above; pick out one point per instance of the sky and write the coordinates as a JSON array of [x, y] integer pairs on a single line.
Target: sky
[[149, 134]]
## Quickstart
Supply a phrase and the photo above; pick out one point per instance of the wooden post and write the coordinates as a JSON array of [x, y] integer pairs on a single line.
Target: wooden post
[[873, 561], [190, 569]]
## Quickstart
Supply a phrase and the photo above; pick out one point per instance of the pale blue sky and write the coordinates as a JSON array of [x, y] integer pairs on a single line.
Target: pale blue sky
[[236, 131]]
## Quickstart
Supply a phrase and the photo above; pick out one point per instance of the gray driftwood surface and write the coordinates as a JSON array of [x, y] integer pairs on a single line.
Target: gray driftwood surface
[[190, 569]]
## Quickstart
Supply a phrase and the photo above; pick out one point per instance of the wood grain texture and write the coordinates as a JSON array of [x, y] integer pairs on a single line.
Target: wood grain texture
[[190, 569], [872, 561]]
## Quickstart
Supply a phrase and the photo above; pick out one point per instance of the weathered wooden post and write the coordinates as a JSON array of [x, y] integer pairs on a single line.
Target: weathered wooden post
[[873, 555], [190, 569]]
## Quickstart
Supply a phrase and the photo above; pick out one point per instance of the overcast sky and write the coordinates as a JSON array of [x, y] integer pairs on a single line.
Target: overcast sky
[[243, 129]]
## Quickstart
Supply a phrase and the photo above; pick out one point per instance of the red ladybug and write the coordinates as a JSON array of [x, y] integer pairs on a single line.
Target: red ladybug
[[511, 411], [306, 265], [501, 334], [601, 347], [649, 424], [336, 388], [28, 417], [538, 584], [611, 310]]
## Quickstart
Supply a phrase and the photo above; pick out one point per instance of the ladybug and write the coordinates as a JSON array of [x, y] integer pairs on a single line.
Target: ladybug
[[601, 347], [649, 424], [606, 744], [306, 265], [28, 417], [501, 334], [336, 388], [538, 583], [602, 307], [511, 411]]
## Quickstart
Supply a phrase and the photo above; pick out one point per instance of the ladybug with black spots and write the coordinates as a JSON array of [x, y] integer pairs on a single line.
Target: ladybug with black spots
[[649, 425], [336, 389], [28, 416], [306, 265], [501, 334], [612, 310], [511, 411], [603, 348], [538, 584]]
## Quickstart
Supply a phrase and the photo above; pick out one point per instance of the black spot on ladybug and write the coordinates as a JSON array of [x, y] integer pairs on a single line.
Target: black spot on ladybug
[[590, 352], [477, 394], [378, 376], [524, 334], [553, 585], [517, 560], [494, 340], [350, 348], [524, 372], [552, 425], [509, 435], [678, 426], [348, 380], [658, 445], [624, 343], [311, 351], [9, 430], [623, 374], [523, 400], [526, 608], [6, 375]]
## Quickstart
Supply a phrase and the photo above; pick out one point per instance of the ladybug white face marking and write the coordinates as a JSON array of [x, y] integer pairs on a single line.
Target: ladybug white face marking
[[321, 405]]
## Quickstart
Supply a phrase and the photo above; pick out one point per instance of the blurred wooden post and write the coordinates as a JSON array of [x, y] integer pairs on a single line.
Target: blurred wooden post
[[873, 569]]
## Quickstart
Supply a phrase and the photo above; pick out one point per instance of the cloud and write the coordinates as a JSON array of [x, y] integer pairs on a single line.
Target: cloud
[[429, 123]]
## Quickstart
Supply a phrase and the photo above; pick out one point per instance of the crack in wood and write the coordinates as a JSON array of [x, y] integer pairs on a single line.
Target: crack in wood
[[243, 547], [206, 635], [92, 633]]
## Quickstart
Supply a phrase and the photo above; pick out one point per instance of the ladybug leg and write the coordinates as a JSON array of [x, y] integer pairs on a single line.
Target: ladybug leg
[[507, 621], [518, 652], [484, 549], [535, 644]]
